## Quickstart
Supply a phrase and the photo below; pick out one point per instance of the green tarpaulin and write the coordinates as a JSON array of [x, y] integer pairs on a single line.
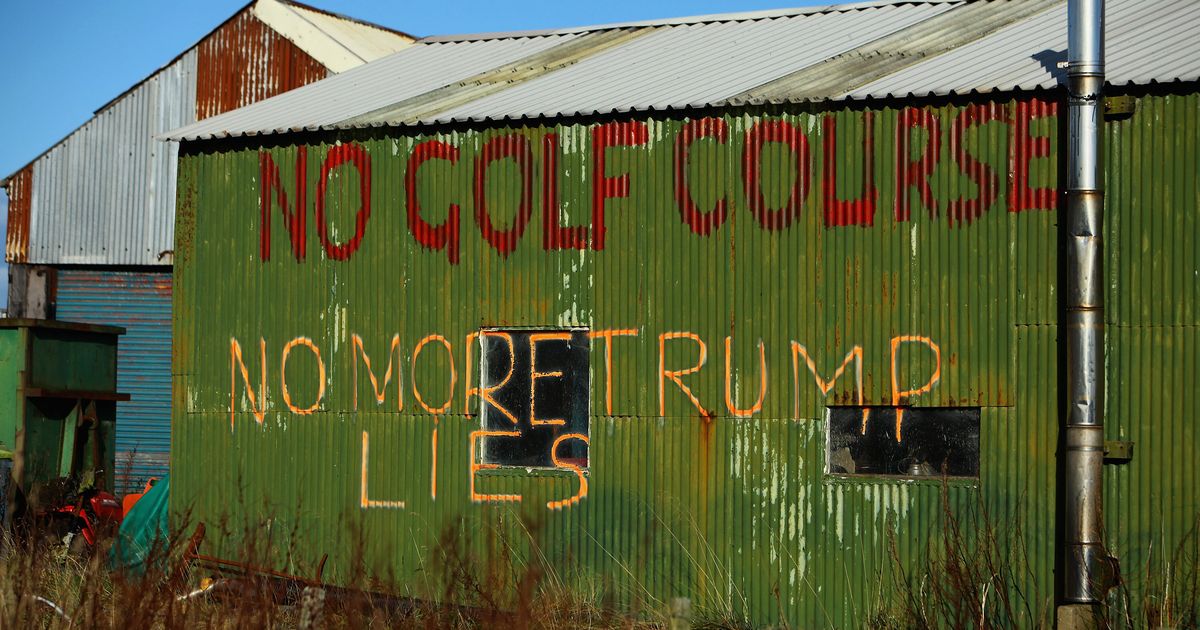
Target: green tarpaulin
[[143, 535]]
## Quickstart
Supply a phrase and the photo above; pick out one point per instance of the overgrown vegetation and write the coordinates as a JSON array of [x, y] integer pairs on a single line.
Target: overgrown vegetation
[[47, 587], [1165, 591], [973, 574]]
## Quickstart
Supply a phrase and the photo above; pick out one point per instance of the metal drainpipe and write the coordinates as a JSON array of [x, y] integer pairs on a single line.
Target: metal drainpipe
[[1087, 565]]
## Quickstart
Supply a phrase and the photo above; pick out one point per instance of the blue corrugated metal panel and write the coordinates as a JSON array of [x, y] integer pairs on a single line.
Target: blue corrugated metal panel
[[141, 303]]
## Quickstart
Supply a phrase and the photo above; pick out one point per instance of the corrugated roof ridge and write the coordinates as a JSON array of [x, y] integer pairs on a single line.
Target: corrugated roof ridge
[[713, 18], [568, 53], [814, 24]]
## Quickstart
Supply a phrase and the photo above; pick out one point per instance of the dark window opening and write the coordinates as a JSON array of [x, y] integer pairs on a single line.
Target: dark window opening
[[932, 441], [535, 384]]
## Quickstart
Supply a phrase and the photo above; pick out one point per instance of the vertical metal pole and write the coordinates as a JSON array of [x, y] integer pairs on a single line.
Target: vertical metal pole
[[1086, 563]]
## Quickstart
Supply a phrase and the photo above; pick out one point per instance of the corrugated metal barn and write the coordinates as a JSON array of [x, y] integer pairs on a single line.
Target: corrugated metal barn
[[91, 221], [720, 307]]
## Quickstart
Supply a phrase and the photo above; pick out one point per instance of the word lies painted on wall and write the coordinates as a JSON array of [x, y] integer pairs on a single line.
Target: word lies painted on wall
[[776, 160], [670, 380]]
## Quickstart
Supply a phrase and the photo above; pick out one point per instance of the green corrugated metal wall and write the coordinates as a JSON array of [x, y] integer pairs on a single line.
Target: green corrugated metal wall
[[1153, 335], [735, 512]]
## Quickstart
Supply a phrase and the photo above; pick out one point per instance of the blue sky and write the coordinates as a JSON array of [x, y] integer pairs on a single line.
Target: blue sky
[[64, 60]]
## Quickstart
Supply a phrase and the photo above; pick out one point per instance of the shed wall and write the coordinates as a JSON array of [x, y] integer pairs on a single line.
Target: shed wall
[[907, 229]]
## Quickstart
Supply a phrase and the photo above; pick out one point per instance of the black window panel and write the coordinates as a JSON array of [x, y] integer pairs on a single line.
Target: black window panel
[[933, 442], [554, 397]]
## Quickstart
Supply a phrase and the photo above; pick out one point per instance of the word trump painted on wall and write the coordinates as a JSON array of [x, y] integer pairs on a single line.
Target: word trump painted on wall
[[851, 169], [533, 387]]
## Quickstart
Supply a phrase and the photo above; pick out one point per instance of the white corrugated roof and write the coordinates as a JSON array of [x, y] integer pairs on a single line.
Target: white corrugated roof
[[1147, 41], [688, 65], [866, 50]]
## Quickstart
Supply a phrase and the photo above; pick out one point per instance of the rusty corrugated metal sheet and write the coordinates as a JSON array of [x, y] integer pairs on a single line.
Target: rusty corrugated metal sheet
[[869, 233], [245, 61], [20, 196]]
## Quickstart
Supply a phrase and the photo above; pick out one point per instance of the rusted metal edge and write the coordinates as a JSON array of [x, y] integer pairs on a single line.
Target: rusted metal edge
[[192, 554]]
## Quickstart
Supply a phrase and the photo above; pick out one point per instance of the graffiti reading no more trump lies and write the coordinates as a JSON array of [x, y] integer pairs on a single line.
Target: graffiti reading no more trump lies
[[670, 380], [923, 140]]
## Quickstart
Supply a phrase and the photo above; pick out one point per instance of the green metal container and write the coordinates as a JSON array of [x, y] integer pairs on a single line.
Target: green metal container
[[335, 291], [58, 393]]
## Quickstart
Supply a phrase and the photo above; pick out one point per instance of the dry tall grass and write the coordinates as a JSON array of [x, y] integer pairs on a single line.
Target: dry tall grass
[[974, 574], [44, 586]]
